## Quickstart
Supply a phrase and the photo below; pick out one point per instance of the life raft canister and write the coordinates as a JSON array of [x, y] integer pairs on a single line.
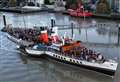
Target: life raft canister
[[55, 38]]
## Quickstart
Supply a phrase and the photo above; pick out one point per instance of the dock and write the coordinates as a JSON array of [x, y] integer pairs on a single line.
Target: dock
[[24, 11], [20, 10], [113, 16]]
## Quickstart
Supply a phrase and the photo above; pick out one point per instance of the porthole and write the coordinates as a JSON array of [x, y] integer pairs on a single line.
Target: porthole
[[77, 62], [73, 61], [58, 56], [80, 62]]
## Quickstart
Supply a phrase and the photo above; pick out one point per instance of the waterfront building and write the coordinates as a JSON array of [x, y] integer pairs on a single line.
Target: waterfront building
[[117, 6], [59, 2], [20, 2], [4, 3], [36, 2], [51, 1], [59, 5], [32, 2]]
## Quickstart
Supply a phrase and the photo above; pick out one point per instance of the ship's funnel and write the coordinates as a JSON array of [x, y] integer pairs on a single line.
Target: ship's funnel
[[44, 37]]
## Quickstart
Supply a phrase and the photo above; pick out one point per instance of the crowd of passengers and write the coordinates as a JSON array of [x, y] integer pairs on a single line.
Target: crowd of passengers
[[24, 34], [85, 54]]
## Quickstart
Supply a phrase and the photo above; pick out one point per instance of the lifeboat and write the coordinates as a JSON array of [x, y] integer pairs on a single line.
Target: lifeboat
[[68, 47]]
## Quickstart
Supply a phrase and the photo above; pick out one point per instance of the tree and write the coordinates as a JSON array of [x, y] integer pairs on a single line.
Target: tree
[[12, 3], [103, 7], [72, 4], [46, 1]]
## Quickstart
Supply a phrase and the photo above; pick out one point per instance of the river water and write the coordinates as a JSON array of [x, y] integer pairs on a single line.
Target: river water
[[98, 34]]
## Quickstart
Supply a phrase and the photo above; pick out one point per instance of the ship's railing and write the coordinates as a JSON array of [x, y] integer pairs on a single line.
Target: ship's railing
[[92, 55]]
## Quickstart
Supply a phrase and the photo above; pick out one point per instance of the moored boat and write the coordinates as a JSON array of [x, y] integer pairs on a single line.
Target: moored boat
[[80, 12], [75, 53], [105, 66]]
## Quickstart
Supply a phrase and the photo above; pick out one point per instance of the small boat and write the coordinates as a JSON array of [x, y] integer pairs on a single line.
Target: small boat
[[36, 50], [80, 12], [75, 53]]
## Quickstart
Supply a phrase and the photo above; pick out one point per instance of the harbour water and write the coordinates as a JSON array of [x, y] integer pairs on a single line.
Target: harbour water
[[98, 34]]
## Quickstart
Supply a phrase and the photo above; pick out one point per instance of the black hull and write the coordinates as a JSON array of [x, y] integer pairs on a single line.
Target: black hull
[[104, 71]]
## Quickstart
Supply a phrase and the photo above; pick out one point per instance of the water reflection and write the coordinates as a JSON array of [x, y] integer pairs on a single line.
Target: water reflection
[[107, 30], [39, 19], [67, 73]]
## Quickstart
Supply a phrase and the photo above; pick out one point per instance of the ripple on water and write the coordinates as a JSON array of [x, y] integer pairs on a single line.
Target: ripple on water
[[14, 69]]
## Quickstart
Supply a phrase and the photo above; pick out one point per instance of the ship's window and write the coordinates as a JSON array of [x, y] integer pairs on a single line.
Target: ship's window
[[53, 54], [64, 58], [80, 62], [70, 60], [58, 56], [73, 61], [51, 49], [77, 62], [61, 57]]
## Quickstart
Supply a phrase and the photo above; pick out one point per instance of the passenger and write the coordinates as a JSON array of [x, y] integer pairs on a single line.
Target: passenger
[[99, 57], [82, 56], [94, 56]]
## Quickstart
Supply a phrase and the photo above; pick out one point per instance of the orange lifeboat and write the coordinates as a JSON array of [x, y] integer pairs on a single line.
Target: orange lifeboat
[[70, 46]]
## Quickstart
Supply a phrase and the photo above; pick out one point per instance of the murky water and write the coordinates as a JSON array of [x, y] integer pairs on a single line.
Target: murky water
[[14, 67]]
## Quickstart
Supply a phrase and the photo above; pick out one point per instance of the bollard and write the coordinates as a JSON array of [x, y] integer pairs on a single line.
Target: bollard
[[72, 25], [52, 22], [4, 20], [119, 34]]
